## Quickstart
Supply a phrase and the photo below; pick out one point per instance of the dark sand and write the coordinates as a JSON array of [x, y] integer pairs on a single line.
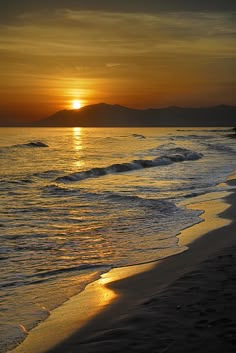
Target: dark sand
[[197, 313], [185, 303]]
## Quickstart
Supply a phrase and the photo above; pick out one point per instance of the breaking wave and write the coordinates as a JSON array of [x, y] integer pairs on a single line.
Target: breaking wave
[[32, 144], [219, 147], [45, 276], [173, 156], [138, 136]]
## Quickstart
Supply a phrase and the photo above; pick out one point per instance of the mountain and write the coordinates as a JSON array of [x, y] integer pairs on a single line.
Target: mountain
[[106, 115], [115, 115], [101, 114]]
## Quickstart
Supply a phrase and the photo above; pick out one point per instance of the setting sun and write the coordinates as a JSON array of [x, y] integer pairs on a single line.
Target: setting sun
[[76, 104]]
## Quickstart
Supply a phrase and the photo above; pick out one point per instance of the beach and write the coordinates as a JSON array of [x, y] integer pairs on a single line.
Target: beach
[[182, 303], [118, 176]]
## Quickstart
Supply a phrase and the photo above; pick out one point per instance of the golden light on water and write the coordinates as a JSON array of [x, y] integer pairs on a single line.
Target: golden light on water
[[77, 138], [78, 147], [65, 320]]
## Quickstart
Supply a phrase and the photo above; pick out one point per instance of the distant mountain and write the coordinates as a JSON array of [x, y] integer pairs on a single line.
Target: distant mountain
[[105, 115], [101, 114]]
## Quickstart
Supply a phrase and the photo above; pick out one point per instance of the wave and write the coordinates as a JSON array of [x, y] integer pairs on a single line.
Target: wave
[[206, 130], [17, 182], [45, 276], [33, 144], [174, 155], [219, 147], [47, 174], [160, 205], [56, 190], [163, 206], [138, 136], [192, 137]]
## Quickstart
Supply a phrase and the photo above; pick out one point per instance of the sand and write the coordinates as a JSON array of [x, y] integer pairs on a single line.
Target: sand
[[195, 314], [185, 303]]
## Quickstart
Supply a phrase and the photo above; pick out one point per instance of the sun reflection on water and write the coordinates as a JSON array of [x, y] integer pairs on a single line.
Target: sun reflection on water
[[78, 146], [77, 138]]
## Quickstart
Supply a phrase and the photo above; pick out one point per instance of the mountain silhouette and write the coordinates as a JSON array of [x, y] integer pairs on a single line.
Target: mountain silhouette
[[106, 115]]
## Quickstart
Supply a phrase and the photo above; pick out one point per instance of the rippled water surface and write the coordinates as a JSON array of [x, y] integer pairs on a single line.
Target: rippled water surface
[[77, 202]]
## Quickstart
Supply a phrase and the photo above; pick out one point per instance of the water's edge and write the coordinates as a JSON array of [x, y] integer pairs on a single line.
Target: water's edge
[[91, 291]]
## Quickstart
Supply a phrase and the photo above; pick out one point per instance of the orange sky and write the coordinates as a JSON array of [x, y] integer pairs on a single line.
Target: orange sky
[[139, 59]]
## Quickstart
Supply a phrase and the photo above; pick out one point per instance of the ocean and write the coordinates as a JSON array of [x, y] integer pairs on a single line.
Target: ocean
[[76, 202]]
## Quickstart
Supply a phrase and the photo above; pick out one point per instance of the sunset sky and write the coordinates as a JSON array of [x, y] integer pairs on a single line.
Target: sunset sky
[[134, 53]]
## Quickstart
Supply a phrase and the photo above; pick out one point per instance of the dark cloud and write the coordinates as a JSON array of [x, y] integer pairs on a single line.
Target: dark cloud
[[12, 8]]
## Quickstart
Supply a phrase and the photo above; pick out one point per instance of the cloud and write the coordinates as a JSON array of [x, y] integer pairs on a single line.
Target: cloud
[[156, 52], [83, 44], [88, 33], [9, 10], [111, 65]]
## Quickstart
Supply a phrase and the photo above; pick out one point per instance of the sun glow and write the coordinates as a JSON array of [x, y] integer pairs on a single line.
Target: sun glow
[[76, 104]]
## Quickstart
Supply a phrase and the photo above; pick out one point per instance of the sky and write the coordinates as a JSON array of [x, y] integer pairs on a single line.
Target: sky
[[143, 53]]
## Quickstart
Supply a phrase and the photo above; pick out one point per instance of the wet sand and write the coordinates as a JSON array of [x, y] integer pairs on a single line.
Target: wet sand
[[185, 303]]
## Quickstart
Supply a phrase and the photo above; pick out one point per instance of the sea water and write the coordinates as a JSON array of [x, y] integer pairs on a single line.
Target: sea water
[[76, 202]]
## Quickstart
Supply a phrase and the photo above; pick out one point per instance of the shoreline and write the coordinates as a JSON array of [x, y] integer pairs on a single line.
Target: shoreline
[[118, 291]]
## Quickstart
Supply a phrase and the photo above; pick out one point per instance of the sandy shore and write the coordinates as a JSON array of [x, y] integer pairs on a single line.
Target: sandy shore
[[184, 303]]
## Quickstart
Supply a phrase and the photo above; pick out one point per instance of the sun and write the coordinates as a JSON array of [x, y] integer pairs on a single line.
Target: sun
[[76, 104]]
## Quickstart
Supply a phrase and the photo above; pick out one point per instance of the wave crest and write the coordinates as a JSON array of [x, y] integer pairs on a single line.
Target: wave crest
[[173, 156], [32, 144]]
